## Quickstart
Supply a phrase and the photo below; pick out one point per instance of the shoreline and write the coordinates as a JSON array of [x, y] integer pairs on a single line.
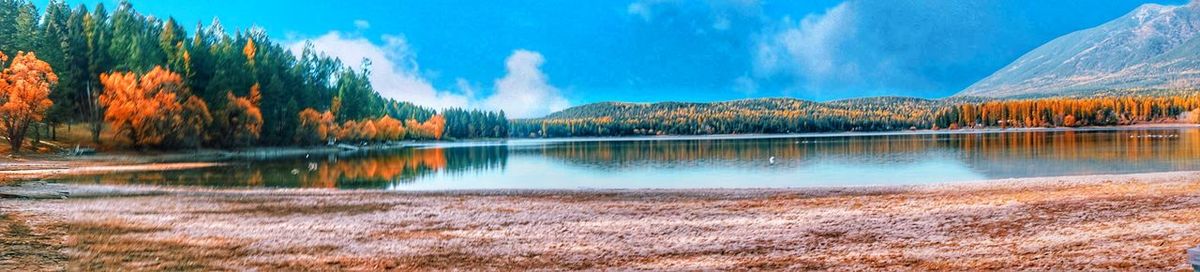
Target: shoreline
[[1153, 126], [1081, 222], [102, 190], [204, 155], [41, 166]]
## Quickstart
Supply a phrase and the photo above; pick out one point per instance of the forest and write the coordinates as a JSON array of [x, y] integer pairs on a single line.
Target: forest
[[155, 85], [787, 115], [772, 115], [1071, 112]]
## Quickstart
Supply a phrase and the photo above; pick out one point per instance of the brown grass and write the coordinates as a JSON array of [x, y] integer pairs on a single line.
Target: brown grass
[[24, 249], [120, 245], [1138, 222], [72, 134]]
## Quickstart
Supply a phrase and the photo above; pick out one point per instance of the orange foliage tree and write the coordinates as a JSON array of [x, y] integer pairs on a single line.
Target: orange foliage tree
[[436, 125], [194, 119], [153, 110], [315, 127], [24, 95], [430, 129], [1066, 111], [389, 129], [320, 126], [1069, 120], [348, 131], [367, 130], [242, 119]]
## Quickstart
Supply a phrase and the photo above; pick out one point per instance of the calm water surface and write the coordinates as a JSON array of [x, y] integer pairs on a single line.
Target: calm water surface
[[698, 162]]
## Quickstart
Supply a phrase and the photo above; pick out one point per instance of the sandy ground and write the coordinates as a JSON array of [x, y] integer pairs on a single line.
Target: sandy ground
[[1119, 222]]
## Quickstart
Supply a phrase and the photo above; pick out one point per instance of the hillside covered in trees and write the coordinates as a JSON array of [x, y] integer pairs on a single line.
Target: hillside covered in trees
[[786, 115], [771, 115], [158, 85]]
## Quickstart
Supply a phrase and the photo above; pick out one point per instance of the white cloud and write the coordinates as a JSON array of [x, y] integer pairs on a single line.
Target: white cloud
[[524, 91], [810, 49], [639, 9], [362, 24], [394, 70]]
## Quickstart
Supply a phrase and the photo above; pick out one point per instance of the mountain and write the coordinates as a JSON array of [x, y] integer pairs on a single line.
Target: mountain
[[1152, 47]]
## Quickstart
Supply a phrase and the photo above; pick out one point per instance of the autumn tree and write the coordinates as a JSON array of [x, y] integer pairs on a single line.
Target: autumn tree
[[436, 125], [389, 129], [312, 129], [195, 118], [429, 130], [241, 120], [1069, 121], [153, 110], [348, 131], [24, 95], [367, 130]]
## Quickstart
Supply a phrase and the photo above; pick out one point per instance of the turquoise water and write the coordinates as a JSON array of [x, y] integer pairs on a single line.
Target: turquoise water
[[711, 162]]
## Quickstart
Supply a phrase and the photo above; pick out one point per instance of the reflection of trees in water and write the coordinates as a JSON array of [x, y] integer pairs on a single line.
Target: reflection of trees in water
[[359, 170], [1080, 153], [736, 152], [403, 166], [1001, 154], [996, 155]]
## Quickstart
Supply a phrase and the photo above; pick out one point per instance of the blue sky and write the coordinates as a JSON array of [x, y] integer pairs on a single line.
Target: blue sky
[[530, 57]]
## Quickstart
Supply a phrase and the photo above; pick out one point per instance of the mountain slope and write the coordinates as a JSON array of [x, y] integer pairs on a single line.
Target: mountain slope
[[1152, 47]]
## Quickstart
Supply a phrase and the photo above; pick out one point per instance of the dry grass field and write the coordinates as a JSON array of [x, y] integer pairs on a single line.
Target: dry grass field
[[1125, 222]]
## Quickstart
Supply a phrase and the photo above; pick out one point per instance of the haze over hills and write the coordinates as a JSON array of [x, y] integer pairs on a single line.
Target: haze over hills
[[1152, 47]]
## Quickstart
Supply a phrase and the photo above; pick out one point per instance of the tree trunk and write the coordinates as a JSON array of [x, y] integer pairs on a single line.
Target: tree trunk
[[96, 132], [95, 119], [15, 145], [37, 137], [16, 134]]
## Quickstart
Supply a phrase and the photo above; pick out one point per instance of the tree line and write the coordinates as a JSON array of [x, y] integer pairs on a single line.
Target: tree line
[[778, 115], [773, 115], [150, 80], [1071, 112]]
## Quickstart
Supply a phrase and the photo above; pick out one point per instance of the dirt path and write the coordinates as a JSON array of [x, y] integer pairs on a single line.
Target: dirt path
[[1128, 222]]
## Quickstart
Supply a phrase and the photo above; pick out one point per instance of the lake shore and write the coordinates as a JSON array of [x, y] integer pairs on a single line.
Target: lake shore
[[40, 166], [1105, 222], [987, 130]]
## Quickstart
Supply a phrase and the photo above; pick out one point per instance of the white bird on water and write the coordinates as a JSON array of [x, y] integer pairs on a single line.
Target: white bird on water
[[772, 159]]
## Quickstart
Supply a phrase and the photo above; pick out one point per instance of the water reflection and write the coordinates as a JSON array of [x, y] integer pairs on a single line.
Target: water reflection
[[996, 155], [355, 170], [804, 161]]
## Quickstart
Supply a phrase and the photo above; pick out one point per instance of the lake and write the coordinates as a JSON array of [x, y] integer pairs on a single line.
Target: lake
[[778, 161]]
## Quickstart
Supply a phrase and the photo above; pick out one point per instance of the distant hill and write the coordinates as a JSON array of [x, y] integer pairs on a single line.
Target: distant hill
[[1152, 47], [765, 115], [866, 106]]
